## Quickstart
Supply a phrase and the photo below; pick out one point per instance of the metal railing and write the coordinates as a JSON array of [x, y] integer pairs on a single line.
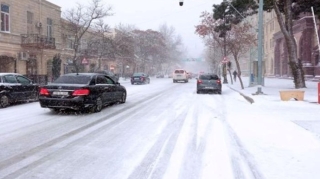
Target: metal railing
[[38, 41]]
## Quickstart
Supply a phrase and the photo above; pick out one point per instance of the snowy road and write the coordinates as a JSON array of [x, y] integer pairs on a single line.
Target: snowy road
[[164, 130]]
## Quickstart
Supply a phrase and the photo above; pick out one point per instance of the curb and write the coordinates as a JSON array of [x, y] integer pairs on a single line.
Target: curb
[[249, 99]]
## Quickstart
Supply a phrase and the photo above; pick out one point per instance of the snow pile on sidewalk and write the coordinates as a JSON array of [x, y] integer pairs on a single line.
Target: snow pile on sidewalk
[[281, 137]]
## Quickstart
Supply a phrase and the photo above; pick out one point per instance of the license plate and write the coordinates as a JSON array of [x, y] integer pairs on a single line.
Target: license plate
[[60, 93], [136, 78], [209, 87]]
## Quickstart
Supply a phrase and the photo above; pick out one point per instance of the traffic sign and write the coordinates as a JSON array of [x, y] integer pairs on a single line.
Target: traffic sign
[[85, 61], [225, 60]]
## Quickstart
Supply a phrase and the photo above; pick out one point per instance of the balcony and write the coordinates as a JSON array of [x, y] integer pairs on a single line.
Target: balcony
[[37, 41]]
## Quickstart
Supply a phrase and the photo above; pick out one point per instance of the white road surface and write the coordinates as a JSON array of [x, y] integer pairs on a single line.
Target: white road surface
[[164, 131]]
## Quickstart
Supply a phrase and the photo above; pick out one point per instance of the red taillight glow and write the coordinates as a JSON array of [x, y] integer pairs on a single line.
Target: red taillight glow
[[199, 81], [218, 81], [81, 92], [44, 92], [142, 78]]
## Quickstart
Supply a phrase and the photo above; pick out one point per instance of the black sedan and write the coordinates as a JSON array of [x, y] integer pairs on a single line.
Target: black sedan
[[15, 87], [80, 91], [140, 78], [115, 77]]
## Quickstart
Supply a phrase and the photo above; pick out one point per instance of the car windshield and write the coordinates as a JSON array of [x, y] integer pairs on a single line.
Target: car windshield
[[209, 77], [79, 79], [166, 89], [179, 71], [138, 74]]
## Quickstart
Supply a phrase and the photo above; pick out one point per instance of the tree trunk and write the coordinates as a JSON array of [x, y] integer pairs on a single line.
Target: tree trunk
[[230, 76], [286, 24], [239, 71]]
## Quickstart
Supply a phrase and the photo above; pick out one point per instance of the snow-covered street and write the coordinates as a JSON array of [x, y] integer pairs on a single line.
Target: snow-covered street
[[164, 131]]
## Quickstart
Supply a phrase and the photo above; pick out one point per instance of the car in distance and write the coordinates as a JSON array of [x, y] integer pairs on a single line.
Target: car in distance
[[160, 75], [180, 75], [15, 87], [140, 78], [115, 77], [82, 91], [209, 83]]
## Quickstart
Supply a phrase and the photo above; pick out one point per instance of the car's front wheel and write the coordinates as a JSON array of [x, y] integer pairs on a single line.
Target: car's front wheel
[[123, 97], [4, 101]]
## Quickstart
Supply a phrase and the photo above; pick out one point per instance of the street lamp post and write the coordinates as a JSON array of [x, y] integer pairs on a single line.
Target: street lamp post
[[127, 68], [259, 89]]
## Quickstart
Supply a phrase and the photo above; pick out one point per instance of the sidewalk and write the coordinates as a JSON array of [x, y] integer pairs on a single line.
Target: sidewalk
[[281, 138], [273, 86]]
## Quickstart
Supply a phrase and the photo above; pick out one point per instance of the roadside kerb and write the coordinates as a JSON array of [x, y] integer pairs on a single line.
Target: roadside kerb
[[249, 99]]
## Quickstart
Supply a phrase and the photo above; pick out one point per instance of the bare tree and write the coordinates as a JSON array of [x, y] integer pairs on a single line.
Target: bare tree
[[173, 44], [101, 45], [79, 20], [240, 39], [206, 30]]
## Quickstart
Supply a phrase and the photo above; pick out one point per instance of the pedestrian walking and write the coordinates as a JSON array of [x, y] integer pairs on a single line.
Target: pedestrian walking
[[235, 75]]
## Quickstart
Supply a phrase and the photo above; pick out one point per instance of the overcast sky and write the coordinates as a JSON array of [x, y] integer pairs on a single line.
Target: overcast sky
[[149, 14]]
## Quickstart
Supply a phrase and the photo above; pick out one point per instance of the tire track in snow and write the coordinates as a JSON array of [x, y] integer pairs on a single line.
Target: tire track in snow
[[241, 158], [118, 119], [156, 160]]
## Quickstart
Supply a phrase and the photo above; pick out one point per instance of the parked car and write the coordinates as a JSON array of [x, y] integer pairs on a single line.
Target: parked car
[[209, 83], [180, 75], [15, 87], [81, 91], [140, 78], [115, 77], [159, 76]]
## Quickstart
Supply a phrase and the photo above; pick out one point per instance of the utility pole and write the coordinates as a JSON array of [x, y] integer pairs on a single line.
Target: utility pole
[[260, 52], [224, 34], [225, 80]]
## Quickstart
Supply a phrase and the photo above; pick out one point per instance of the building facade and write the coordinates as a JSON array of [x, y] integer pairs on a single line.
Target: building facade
[[271, 26], [29, 37], [308, 53]]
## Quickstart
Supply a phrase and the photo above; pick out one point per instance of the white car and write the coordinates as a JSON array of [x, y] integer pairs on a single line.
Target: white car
[[180, 75]]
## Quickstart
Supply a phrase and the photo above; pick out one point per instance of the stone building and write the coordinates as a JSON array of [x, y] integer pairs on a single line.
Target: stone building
[[29, 37], [271, 26], [306, 40]]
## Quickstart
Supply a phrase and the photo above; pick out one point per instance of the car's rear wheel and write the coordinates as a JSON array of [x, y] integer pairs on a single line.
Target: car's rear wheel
[[123, 97], [55, 110], [97, 107], [4, 101]]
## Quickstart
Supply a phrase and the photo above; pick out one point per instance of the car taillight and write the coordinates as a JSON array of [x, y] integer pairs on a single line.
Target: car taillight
[[44, 92], [218, 81], [81, 92], [199, 81], [142, 78]]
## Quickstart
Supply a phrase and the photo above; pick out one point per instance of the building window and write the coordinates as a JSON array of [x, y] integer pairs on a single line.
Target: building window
[[29, 22], [70, 42], [49, 27], [5, 18]]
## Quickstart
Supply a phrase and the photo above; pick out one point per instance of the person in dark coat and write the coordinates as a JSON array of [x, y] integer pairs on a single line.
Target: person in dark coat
[[235, 75]]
